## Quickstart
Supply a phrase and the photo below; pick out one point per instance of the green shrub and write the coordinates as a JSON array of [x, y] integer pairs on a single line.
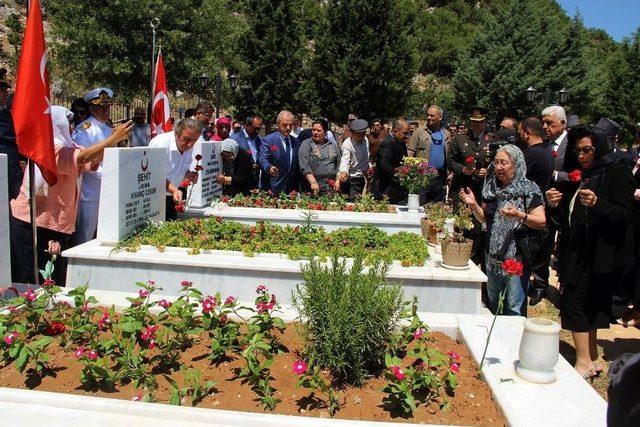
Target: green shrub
[[350, 316]]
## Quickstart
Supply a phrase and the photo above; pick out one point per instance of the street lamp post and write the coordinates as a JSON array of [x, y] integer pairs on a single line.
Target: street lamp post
[[547, 97], [218, 92], [203, 79]]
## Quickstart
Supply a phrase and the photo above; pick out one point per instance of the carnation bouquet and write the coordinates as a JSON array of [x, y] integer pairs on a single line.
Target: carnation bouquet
[[415, 174]]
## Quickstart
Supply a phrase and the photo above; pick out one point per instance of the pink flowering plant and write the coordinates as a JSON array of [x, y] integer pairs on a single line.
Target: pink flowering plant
[[223, 334], [264, 322], [31, 355], [82, 328], [96, 370], [310, 379]]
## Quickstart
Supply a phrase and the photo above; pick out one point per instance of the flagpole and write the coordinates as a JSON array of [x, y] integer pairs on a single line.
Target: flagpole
[[155, 22]]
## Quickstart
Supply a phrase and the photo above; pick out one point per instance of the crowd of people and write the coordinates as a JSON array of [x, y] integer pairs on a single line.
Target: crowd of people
[[568, 182]]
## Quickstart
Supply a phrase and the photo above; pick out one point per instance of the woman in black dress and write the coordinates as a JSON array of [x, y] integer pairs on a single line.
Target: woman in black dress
[[595, 242], [237, 170]]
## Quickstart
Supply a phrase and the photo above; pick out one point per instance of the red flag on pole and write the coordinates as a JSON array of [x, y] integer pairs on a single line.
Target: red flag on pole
[[161, 113], [31, 107]]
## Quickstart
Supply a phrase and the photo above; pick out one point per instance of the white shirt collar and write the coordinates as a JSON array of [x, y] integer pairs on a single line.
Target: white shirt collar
[[560, 138]]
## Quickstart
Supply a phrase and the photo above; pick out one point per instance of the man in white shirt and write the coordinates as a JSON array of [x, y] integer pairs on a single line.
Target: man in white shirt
[[179, 145], [354, 162], [92, 131]]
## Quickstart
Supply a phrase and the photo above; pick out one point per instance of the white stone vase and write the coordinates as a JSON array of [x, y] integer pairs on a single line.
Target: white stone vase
[[413, 204], [539, 351]]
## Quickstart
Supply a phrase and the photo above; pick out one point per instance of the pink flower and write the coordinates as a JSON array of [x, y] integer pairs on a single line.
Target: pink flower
[[143, 293], [149, 332], [9, 338], [223, 320], [85, 307], [91, 354], [29, 295], [137, 397], [418, 333], [455, 368], [104, 320], [299, 367], [208, 304], [186, 283], [151, 283], [230, 301], [152, 344], [48, 283], [398, 372], [164, 303], [453, 355], [261, 289], [79, 353]]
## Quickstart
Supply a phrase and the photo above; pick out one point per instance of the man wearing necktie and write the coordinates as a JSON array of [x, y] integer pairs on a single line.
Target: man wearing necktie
[[279, 157]]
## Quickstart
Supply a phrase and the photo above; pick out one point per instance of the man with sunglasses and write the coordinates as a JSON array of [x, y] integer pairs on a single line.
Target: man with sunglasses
[[92, 131]]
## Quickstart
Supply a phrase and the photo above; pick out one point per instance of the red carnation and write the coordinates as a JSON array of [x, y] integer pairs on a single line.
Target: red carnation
[[273, 148], [180, 207], [198, 157], [470, 159], [185, 183], [55, 328], [554, 153], [249, 152], [575, 175], [331, 182], [512, 267]]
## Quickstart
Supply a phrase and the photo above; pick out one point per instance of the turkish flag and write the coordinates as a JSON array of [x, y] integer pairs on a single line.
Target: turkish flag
[[31, 107], [161, 113]]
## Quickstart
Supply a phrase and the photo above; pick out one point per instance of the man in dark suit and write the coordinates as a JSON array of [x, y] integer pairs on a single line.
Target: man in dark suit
[[8, 137], [390, 153], [279, 156], [249, 141]]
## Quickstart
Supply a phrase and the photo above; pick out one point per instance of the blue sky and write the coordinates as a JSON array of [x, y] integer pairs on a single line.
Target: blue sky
[[619, 18]]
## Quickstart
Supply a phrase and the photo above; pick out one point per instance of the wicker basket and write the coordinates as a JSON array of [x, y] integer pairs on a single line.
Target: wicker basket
[[429, 230], [456, 254]]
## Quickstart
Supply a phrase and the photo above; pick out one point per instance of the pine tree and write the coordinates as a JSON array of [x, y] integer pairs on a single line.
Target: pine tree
[[362, 62], [272, 53]]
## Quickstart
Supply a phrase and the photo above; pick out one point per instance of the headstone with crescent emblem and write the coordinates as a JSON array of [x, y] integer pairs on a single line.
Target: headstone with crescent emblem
[[5, 261], [132, 192], [207, 188]]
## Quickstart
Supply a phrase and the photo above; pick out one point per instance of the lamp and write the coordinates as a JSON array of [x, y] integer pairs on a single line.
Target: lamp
[[531, 94], [233, 81], [204, 80], [563, 95]]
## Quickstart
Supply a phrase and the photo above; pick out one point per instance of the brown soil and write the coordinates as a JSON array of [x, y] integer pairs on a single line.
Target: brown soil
[[472, 404]]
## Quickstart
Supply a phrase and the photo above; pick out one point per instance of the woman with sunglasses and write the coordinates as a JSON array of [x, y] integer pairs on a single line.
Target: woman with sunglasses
[[595, 241]]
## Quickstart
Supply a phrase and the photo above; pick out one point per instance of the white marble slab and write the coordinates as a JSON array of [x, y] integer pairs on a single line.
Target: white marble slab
[[5, 252], [570, 401], [207, 188], [132, 190], [330, 220], [438, 289]]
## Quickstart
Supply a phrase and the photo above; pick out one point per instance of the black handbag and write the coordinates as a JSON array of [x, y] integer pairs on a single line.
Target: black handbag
[[534, 246]]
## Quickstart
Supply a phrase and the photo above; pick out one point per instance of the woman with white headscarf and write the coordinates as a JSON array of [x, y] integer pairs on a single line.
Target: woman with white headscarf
[[56, 206], [237, 170], [509, 201]]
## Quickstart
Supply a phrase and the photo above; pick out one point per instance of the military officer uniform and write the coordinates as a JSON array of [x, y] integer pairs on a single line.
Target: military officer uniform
[[471, 152], [86, 134]]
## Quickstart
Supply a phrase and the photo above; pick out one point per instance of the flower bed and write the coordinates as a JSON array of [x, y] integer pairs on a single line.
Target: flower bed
[[191, 353], [297, 242], [294, 200]]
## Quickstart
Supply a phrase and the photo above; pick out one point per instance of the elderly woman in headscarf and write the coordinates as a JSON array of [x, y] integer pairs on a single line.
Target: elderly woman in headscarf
[[237, 170], [596, 239], [56, 206], [509, 201], [223, 128]]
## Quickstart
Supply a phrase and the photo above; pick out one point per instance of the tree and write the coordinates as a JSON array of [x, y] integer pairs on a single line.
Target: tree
[[362, 60], [272, 52], [109, 43], [14, 36], [529, 43]]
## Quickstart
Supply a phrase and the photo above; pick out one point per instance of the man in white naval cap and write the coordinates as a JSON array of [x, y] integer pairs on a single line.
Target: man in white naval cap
[[91, 131]]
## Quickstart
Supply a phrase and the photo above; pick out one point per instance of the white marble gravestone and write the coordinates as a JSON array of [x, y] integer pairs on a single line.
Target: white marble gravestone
[[206, 189], [132, 191], [5, 260]]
